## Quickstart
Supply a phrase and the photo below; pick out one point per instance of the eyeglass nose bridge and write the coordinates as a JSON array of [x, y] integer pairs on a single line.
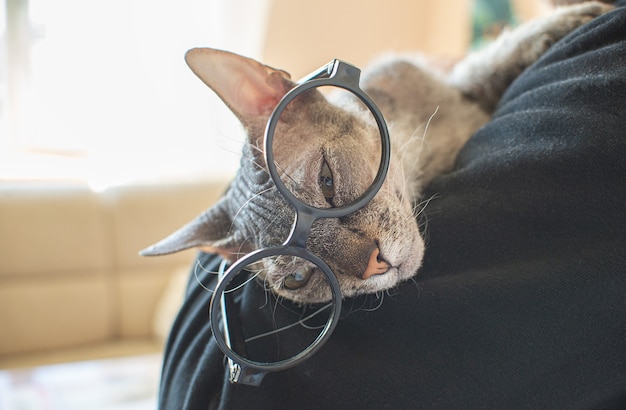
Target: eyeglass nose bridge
[[300, 229]]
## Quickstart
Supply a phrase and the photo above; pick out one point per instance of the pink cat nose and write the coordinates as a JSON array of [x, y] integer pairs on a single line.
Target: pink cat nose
[[375, 265]]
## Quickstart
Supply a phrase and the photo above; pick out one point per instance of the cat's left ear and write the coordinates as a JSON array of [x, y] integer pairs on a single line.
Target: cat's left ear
[[250, 89], [211, 231]]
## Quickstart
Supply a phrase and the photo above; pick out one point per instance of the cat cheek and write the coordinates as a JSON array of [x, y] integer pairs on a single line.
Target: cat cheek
[[399, 194]]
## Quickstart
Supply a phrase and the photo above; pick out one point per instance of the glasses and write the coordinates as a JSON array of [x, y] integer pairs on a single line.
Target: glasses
[[248, 367]]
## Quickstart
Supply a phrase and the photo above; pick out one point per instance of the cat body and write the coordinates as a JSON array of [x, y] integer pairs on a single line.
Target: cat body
[[328, 148]]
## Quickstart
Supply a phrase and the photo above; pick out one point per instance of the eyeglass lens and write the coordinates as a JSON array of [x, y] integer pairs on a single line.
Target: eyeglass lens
[[331, 158], [265, 328]]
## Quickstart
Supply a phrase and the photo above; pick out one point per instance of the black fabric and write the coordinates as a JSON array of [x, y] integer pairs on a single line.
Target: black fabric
[[521, 302]]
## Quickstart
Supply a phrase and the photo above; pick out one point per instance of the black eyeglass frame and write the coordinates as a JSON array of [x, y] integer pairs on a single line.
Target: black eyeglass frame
[[340, 74]]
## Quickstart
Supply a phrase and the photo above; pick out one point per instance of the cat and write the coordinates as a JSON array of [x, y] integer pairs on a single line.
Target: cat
[[430, 114]]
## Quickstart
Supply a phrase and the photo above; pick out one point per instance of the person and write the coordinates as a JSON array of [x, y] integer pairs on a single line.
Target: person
[[521, 300]]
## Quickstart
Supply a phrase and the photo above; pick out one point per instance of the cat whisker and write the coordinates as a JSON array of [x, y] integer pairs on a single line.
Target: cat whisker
[[404, 148], [381, 297], [422, 138], [392, 292], [293, 181], [203, 269], [278, 218], [417, 286], [250, 279], [267, 294], [428, 124], [278, 166], [224, 137], [301, 322], [278, 302], [257, 149], [400, 170], [199, 266], [248, 201], [241, 252], [421, 206], [253, 160]]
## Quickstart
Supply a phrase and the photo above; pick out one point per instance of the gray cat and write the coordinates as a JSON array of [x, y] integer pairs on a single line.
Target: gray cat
[[430, 116]]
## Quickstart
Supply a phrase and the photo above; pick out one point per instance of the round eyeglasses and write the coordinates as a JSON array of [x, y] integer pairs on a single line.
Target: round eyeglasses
[[247, 367]]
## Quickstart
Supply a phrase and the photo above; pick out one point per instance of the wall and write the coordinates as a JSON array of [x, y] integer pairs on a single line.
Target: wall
[[303, 35]]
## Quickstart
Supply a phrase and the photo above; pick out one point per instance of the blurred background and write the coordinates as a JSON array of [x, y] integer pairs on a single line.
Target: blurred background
[[108, 143]]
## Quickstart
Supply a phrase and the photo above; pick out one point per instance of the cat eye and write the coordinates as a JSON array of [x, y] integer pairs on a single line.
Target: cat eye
[[298, 279], [326, 182], [248, 362]]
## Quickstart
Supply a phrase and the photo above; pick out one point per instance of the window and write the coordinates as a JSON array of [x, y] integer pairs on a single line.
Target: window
[[98, 91]]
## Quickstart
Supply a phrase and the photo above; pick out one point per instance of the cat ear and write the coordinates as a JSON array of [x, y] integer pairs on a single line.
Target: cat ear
[[210, 231], [249, 88]]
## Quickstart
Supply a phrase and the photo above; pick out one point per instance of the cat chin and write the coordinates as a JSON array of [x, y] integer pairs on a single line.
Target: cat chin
[[374, 284]]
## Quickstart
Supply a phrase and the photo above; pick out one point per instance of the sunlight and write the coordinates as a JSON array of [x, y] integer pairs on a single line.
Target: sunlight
[[110, 98]]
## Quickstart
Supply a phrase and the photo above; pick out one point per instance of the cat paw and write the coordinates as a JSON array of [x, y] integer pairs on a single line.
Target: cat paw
[[583, 12], [486, 74], [542, 33]]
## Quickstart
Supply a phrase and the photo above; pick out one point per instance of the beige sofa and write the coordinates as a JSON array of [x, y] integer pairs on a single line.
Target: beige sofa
[[69, 271], [70, 275]]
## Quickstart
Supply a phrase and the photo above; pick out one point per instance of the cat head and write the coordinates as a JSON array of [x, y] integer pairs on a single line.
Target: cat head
[[327, 152]]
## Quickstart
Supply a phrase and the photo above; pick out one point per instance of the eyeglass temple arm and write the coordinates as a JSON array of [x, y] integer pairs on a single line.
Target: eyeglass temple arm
[[236, 372]]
